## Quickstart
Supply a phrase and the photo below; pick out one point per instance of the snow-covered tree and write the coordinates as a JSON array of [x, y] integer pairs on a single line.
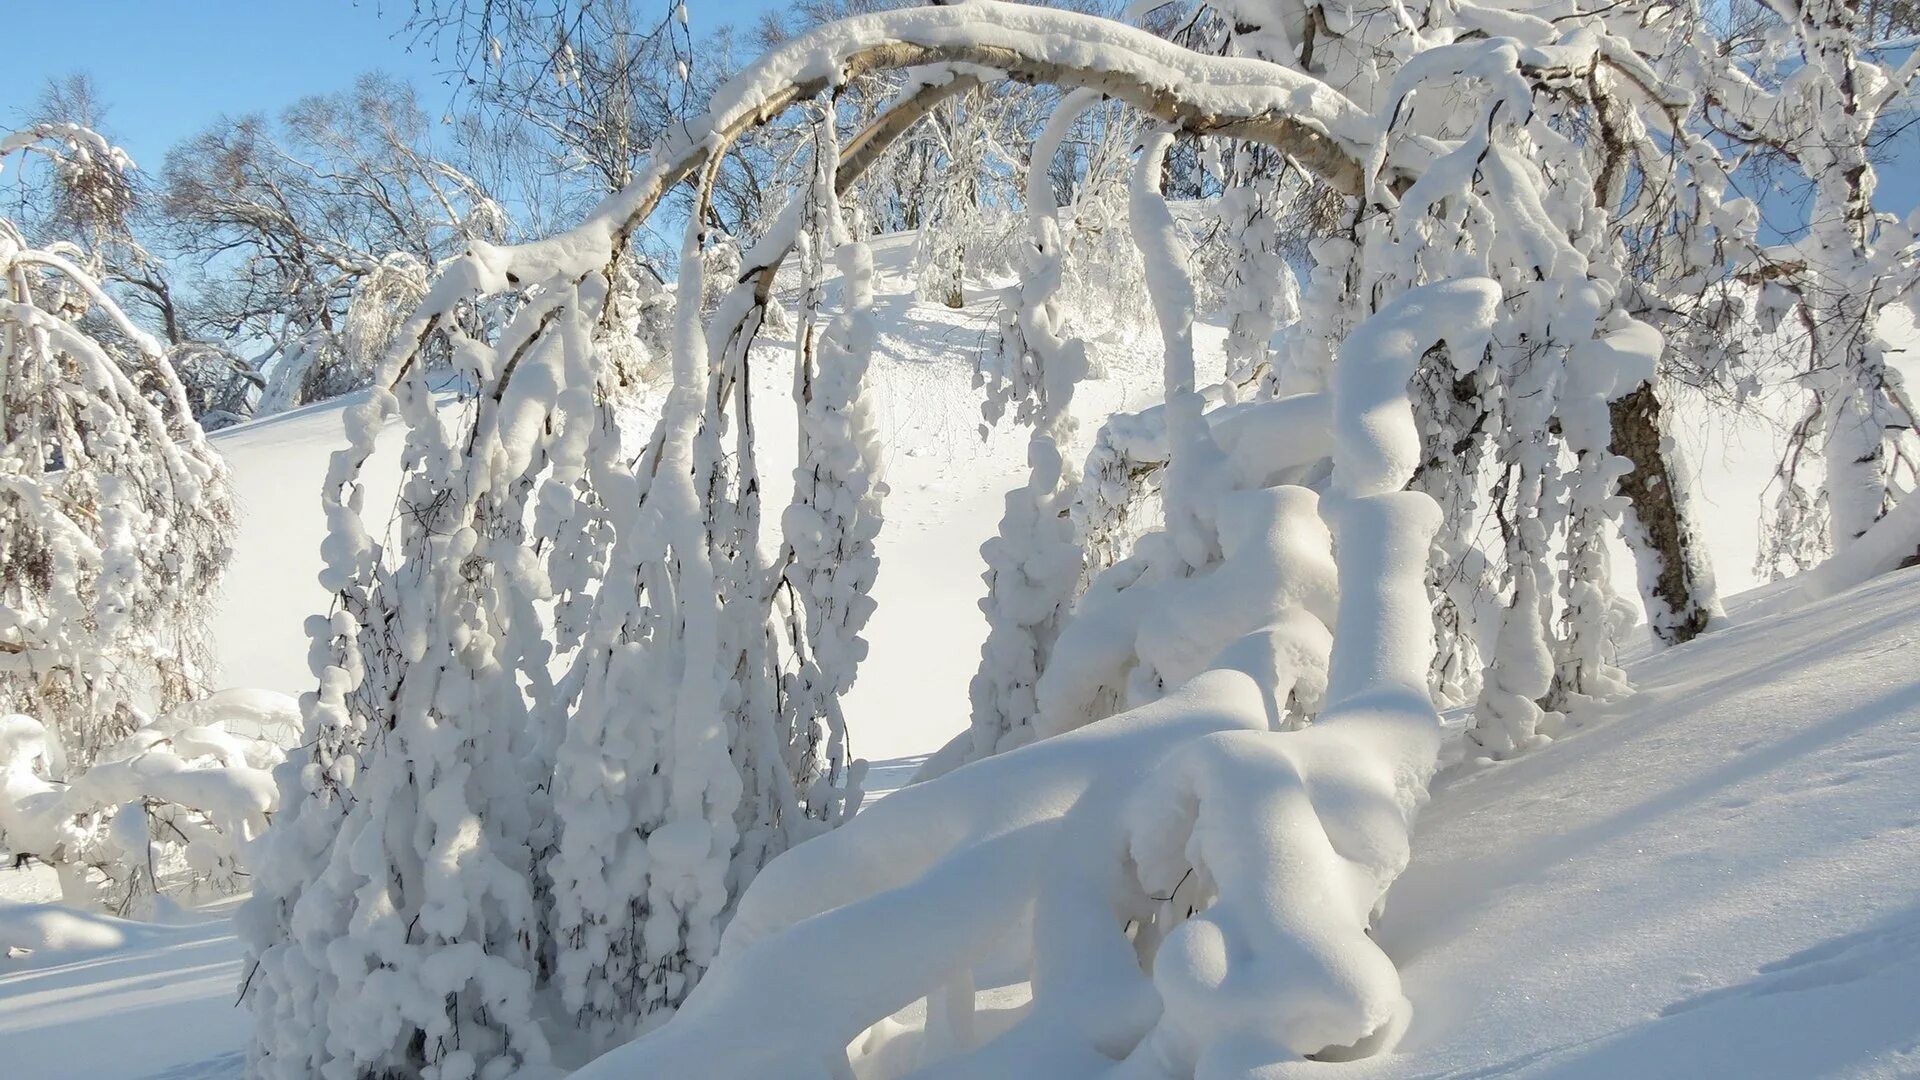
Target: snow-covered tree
[[554, 618], [1811, 92], [115, 513], [174, 806], [1034, 564], [961, 206], [829, 527]]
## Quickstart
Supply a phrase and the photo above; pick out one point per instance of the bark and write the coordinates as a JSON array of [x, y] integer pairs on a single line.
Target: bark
[[1672, 541]]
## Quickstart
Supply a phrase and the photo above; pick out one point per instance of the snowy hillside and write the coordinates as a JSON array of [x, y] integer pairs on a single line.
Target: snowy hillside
[[1717, 878]]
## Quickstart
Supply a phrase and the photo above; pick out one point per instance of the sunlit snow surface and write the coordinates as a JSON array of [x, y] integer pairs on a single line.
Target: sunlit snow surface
[[1721, 878], [1718, 880], [116, 1000]]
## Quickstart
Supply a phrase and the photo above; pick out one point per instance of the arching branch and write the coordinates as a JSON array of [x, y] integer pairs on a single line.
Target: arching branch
[[1295, 113], [859, 155], [1322, 130]]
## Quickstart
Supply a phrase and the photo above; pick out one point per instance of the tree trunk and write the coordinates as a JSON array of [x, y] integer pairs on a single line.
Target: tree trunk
[[1675, 579]]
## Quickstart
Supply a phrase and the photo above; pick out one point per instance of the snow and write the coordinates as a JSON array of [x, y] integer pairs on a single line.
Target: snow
[[273, 583], [1715, 878], [1188, 875], [119, 999]]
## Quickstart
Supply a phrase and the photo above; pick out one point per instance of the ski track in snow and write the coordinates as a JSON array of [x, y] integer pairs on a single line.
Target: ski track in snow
[[1718, 878]]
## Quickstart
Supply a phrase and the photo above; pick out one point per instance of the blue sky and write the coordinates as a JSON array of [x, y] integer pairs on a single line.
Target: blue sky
[[167, 68]]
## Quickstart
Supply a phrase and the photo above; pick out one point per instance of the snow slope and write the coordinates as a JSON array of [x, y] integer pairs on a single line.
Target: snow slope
[[116, 1000], [272, 584], [1719, 879]]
